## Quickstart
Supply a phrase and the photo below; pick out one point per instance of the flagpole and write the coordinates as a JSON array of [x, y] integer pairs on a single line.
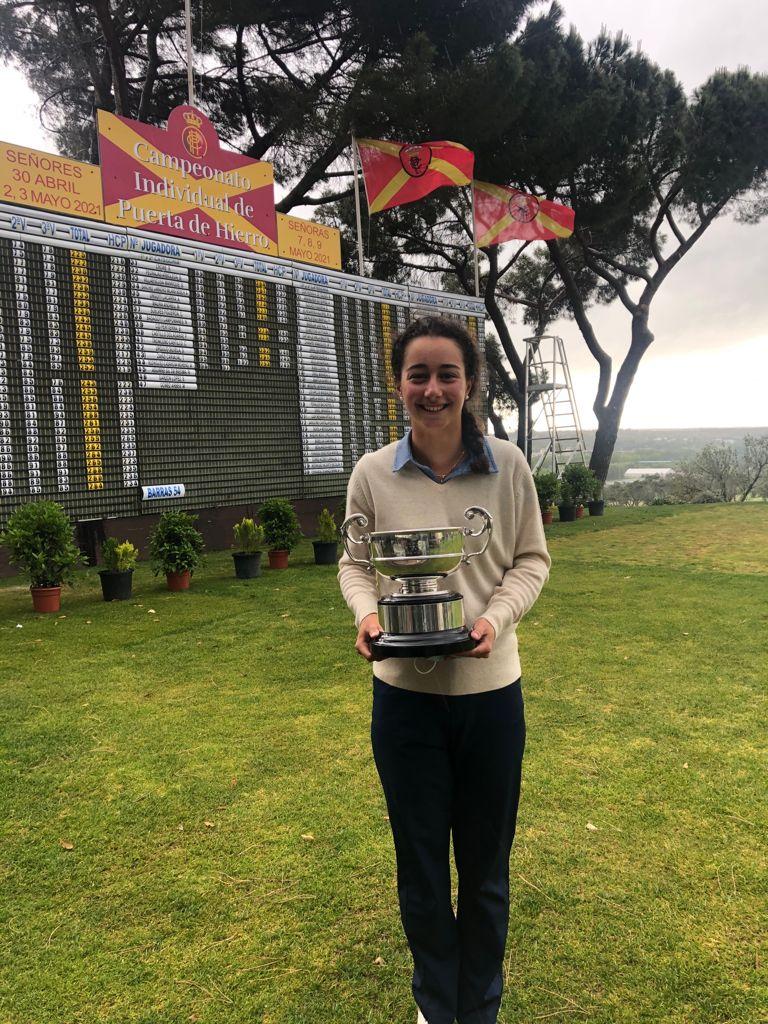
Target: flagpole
[[360, 263], [474, 241], [190, 69]]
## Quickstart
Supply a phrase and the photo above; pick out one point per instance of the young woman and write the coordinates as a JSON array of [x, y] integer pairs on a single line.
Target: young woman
[[448, 743]]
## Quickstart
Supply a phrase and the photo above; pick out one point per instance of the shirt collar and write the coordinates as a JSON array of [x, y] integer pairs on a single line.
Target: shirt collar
[[404, 454]]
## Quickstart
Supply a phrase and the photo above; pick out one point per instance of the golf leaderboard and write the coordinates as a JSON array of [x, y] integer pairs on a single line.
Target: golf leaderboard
[[140, 371]]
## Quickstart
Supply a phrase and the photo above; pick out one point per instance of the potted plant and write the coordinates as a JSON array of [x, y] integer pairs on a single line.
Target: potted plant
[[546, 488], [597, 505], [581, 481], [117, 575], [175, 547], [40, 540], [566, 505], [281, 530], [327, 544], [249, 537]]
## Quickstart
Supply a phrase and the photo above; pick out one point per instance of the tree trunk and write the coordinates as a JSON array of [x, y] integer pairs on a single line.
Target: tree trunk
[[116, 57], [498, 426], [609, 415]]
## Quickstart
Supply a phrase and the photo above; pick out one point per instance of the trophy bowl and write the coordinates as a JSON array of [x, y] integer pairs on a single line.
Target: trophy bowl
[[404, 554]]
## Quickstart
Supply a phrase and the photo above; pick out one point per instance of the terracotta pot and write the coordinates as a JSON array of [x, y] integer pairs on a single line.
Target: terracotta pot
[[579, 511], [46, 599], [178, 580], [278, 559], [546, 517]]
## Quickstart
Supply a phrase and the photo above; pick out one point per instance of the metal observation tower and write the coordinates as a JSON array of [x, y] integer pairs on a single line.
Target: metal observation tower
[[550, 407]]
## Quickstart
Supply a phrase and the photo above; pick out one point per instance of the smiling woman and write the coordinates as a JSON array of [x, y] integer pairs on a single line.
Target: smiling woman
[[448, 738]]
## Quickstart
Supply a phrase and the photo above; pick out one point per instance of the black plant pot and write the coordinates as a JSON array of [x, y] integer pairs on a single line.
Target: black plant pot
[[596, 508], [567, 513], [116, 584], [326, 552], [247, 564]]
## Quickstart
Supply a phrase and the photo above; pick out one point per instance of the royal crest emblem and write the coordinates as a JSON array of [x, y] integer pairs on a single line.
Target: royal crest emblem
[[523, 208], [415, 160], [192, 137]]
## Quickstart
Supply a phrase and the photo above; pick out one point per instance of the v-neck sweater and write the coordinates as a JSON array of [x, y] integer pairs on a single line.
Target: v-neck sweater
[[500, 585]]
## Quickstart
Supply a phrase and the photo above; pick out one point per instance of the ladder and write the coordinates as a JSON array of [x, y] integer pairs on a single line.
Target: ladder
[[548, 379]]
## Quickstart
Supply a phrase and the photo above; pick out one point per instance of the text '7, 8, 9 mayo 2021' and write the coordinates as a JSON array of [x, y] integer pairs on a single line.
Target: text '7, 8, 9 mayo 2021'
[[140, 371]]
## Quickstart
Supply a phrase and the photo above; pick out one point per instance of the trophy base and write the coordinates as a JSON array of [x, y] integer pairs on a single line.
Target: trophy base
[[422, 645]]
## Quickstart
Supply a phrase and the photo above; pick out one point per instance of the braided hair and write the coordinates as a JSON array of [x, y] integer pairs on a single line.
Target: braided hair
[[442, 327]]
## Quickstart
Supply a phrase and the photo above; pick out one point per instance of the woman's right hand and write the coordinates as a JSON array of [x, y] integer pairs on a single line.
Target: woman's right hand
[[369, 630]]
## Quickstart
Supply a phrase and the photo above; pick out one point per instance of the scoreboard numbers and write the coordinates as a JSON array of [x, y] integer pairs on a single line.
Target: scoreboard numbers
[[138, 374]]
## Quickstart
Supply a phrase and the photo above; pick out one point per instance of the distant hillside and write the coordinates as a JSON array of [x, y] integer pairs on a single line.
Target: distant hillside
[[659, 447]]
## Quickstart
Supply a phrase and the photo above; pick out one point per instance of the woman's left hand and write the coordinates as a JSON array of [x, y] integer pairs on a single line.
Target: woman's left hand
[[486, 634]]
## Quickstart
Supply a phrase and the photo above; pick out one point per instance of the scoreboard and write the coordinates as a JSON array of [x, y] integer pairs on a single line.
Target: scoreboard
[[139, 372]]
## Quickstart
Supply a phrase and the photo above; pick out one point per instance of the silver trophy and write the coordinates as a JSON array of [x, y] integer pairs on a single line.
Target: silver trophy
[[420, 620]]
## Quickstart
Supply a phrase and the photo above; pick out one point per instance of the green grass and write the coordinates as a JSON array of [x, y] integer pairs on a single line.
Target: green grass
[[206, 755]]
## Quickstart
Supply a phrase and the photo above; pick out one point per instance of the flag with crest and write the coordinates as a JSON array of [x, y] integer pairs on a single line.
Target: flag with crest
[[503, 213], [395, 173]]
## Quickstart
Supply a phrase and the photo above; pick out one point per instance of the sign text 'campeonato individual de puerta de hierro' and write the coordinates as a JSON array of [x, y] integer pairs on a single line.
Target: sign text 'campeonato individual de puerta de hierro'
[[179, 181]]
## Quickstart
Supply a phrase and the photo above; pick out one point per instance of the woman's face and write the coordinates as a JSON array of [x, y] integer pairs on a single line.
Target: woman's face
[[433, 384]]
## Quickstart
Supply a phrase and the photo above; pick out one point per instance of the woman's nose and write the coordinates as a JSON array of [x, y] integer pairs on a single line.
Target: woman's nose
[[432, 386]]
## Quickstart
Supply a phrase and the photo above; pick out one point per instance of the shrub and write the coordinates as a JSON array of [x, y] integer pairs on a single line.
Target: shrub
[[581, 482], [566, 494], [40, 540], [117, 556], [546, 488], [281, 527], [175, 545], [249, 536], [327, 531]]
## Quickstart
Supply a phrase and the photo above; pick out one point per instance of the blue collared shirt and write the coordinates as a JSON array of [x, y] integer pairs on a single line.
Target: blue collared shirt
[[404, 455]]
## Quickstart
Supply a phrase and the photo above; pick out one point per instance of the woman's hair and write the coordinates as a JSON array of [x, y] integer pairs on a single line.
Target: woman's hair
[[443, 327]]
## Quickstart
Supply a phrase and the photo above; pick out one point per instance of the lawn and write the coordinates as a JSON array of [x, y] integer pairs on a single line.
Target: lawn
[[193, 829]]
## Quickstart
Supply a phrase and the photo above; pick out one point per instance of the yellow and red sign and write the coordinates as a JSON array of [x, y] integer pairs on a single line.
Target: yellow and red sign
[[503, 213], [308, 241], [179, 181], [395, 173], [31, 178]]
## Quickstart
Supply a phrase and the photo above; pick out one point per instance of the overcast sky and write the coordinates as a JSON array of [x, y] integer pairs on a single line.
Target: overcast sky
[[709, 363]]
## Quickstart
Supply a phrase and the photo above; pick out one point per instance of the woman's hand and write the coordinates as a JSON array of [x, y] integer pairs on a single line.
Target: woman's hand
[[369, 630], [486, 634]]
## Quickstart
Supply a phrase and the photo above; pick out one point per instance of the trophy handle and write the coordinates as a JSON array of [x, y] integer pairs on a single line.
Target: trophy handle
[[486, 527], [357, 520]]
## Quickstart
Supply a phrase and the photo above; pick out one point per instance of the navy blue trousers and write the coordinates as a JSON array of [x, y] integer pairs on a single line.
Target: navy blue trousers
[[451, 765]]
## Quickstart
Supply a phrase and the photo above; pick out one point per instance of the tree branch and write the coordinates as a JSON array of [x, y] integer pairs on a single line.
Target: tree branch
[[320, 200], [241, 85], [512, 262], [273, 55], [587, 331], [664, 203], [116, 58], [151, 73], [613, 281], [314, 173]]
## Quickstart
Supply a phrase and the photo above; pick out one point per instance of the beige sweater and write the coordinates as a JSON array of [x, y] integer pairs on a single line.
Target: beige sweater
[[500, 585]]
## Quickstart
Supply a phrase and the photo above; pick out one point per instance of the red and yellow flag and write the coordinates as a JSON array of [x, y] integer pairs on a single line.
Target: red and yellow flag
[[502, 213], [396, 173]]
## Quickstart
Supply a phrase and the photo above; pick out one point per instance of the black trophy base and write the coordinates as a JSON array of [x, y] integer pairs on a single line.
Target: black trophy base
[[422, 645]]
